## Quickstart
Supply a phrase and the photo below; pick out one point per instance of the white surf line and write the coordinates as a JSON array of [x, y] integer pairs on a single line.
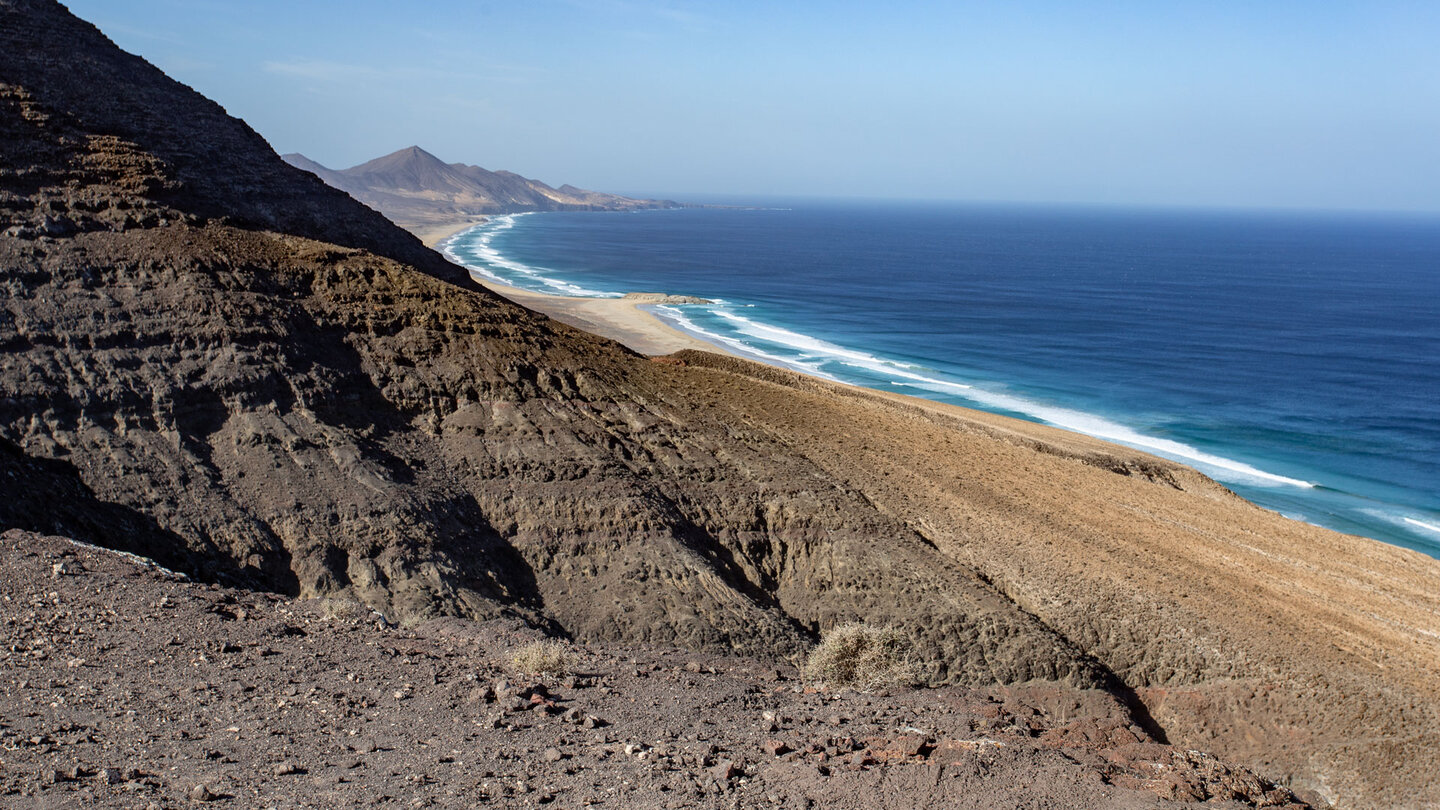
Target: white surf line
[[678, 320], [1100, 428], [1413, 525], [492, 259], [796, 340], [1422, 524], [1077, 421]]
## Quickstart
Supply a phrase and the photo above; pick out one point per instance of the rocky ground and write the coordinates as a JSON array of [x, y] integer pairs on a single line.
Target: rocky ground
[[125, 685], [212, 359]]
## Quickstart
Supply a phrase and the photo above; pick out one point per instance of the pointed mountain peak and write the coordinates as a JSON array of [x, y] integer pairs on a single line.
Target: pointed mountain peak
[[412, 186], [301, 162], [407, 159]]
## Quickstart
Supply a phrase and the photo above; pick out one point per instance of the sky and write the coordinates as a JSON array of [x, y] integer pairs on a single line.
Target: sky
[[1314, 104]]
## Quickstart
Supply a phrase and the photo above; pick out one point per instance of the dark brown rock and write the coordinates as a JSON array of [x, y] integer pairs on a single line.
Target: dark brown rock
[[247, 376]]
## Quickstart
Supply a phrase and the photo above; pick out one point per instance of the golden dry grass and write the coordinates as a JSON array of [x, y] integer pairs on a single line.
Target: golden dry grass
[[546, 657], [858, 656]]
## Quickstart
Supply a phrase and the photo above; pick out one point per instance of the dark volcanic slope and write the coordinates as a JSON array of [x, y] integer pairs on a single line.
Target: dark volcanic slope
[[215, 176], [273, 702], [414, 188], [211, 358], [314, 418]]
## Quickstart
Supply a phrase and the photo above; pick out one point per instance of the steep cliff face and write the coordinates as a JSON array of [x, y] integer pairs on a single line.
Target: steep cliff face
[[215, 360], [343, 415]]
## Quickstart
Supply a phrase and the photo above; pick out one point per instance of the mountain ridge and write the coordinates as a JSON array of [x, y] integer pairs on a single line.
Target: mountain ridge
[[417, 190], [214, 360]]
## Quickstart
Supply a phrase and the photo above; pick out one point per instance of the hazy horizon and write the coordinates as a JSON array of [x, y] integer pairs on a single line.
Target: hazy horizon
[[1282, 105]]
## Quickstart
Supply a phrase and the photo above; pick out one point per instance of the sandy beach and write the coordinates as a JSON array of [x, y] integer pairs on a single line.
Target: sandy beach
[[620, 319], [434, 234]]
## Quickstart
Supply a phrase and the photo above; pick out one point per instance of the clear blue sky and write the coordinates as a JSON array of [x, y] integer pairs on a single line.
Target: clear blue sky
[[1310, 104]]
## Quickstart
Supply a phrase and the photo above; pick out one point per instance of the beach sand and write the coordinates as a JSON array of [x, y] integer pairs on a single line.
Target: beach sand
[[620, 319], [433, 234]]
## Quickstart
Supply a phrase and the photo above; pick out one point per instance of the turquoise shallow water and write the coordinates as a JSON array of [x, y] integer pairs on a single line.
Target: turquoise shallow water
[[1293, 357]]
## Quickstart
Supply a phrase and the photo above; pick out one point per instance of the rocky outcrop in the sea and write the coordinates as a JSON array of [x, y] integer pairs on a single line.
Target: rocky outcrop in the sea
[[214, 360], [664, 298]]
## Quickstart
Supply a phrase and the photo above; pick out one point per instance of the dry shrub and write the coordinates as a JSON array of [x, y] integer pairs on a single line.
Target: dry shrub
[[547, 656], [857, 656], [349, 611]]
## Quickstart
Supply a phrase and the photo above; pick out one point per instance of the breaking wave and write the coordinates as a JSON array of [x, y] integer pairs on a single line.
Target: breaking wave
[[474, 250], [813, 353]]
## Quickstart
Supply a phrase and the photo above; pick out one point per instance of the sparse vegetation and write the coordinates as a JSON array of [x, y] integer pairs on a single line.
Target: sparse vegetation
[[547, 656], [858, 656], [343, 610]]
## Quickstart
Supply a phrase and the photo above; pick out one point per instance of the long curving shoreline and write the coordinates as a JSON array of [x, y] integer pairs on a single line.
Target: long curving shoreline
[[623, 320], [1282, 467], [432, 234], [351, 436]]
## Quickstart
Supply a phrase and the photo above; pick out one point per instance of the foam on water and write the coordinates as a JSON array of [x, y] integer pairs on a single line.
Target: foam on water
[[1089, 424], [1430, 527], [809, 354], [815, 346], [486, 261], [672, 315]]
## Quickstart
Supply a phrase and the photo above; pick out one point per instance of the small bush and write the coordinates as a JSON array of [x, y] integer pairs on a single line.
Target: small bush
[[343, 610], [859, 657], [547, 656]]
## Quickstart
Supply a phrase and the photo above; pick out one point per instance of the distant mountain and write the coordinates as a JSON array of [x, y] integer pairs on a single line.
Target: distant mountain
[[416, 189], [299, 161], [217, 361]]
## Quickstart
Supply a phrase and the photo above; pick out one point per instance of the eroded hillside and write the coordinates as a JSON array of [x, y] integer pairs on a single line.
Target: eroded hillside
[[216, 361]]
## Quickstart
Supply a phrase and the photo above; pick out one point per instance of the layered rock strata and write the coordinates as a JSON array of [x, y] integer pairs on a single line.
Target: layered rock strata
[[216, 361]]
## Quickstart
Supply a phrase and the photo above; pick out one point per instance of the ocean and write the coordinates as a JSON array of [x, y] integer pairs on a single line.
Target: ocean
[[1294, 357]]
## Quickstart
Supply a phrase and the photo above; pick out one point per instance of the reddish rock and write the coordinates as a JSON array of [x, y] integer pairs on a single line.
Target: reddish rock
[[775, 748]]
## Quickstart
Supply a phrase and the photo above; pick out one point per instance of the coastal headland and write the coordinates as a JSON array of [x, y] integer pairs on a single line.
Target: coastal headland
[[372, 478]]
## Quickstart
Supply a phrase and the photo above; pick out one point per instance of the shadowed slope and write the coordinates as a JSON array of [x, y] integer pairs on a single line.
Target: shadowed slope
[[215, 175], [202, 341], [320, 418]]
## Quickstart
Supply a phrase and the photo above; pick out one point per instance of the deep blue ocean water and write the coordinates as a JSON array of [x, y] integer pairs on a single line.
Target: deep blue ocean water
[[1293, 357]]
